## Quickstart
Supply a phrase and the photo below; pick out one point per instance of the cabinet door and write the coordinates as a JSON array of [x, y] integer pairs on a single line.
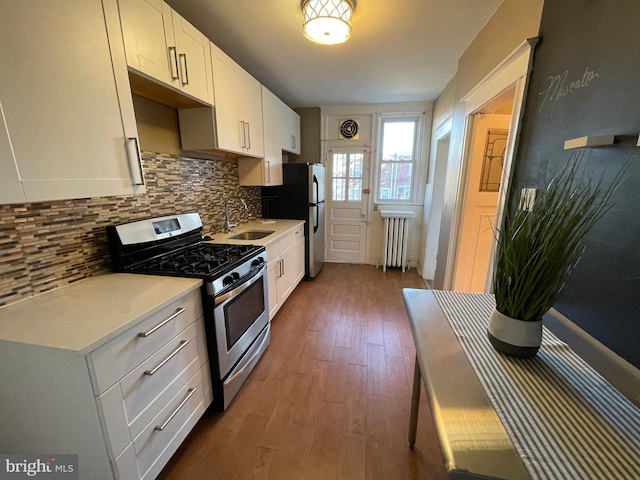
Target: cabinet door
[[290, 137], [228, 87], [251, 114], [273, 272], [272, 132], [60, 101], [10, 185], [286, 276], [149, 40], [297, 260], [194, 59]]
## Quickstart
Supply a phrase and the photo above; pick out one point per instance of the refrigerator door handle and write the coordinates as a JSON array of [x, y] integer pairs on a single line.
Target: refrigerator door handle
[[316, 192]]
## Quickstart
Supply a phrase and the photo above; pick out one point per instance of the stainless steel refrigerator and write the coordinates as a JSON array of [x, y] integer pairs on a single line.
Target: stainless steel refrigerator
[[301, 197]]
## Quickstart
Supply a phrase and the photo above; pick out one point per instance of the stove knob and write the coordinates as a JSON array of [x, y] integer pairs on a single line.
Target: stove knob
[[228, 280], [236, 276], [257, 262]]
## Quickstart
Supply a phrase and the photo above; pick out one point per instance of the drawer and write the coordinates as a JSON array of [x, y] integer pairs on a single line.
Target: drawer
[[145, 395], [154, 447], [131, 404], [280, 245], [297, 234], [117, 358]]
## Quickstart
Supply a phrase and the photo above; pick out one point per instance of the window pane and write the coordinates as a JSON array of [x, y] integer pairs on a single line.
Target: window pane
[[398, 140], [338, 189], [493, 160], [355, 190], [355, 165], [395, 180], [340, 165]]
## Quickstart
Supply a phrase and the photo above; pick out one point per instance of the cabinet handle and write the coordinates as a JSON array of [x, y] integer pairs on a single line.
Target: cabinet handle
[[293, 141], [173, 64], [243, 143], [183, 343], [162, 323], [185, 79], [268, 170], [282, 267], [191, 391], [136, 169], [248, 135]]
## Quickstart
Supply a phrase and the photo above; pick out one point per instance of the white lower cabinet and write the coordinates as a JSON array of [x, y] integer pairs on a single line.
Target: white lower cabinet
[[285, 262], [124, 408], [151, 408]]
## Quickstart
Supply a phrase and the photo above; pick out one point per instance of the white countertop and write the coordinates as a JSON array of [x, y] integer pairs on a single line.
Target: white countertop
[[278, 227], [82, 316]]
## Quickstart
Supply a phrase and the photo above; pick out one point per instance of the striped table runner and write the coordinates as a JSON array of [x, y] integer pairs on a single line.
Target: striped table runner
[[565, 420]]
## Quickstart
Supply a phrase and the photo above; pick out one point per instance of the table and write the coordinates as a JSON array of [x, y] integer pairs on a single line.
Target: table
[[551, 417]]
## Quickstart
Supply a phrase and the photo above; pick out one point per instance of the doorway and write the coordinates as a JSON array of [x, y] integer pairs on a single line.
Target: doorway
[[434, 198], [348, 170], [488, 145], [507, 82]]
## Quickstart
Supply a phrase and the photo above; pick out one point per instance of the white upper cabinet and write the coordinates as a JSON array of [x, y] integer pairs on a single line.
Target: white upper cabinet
[[238, 100], [68, 127], [290, 122], [164, 46], [149, 41], [194, 59], [266, 171]]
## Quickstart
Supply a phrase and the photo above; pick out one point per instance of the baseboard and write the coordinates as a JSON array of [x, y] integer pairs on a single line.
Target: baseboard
[[615, 369]]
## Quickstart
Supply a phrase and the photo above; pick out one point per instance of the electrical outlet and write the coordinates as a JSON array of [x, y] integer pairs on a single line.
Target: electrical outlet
[[375, 207], [528, 198]]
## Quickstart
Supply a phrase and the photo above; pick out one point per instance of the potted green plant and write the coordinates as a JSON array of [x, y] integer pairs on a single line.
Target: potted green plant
[[536, 251]]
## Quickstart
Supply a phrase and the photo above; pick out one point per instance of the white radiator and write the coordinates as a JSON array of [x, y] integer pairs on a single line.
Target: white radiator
[[396, 236]]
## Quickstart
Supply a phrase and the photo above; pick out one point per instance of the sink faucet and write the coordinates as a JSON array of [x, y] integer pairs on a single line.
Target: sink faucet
[[229, 225]]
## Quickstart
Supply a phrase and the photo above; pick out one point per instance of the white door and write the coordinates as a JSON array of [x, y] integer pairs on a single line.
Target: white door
[[481, 202], [346, 200]]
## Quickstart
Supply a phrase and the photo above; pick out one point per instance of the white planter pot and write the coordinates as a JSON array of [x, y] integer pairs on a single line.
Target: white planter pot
[[514, 337]]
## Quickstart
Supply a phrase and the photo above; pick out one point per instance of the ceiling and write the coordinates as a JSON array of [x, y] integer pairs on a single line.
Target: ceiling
[[399, 51]]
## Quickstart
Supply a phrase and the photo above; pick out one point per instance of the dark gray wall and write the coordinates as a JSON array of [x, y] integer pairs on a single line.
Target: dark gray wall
[[586, 81]]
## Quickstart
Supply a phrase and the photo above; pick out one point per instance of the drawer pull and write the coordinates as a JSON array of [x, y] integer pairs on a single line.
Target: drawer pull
[[191, 391], [164, 322], [183, 344]]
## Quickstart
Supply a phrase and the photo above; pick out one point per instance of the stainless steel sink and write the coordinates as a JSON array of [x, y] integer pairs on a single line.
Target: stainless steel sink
[[251, 235]]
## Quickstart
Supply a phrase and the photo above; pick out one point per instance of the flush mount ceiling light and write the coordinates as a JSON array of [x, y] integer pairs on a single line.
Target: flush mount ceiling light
[[327, 22]]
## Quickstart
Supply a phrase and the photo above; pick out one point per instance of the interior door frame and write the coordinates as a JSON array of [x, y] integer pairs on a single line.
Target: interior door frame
[[512, 71], [433, 218]]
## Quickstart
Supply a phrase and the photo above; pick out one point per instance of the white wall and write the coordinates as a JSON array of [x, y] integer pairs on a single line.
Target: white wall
[[368, 115]]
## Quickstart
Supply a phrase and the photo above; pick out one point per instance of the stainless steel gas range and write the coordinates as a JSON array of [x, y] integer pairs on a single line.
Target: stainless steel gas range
[[234, 294]]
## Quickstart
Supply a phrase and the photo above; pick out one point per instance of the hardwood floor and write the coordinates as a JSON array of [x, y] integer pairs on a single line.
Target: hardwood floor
[[330, 398]]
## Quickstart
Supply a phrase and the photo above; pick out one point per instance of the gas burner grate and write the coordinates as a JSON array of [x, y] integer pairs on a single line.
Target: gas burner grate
[[204, 260]]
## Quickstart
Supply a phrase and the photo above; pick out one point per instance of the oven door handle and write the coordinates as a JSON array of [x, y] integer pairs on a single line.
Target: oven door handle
[[236, 291]]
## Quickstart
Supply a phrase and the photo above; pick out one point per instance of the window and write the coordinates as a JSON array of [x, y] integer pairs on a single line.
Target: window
[[397, 164], [347, 177]]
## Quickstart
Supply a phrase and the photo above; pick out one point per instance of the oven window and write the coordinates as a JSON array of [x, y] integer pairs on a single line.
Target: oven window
[[242, 311]]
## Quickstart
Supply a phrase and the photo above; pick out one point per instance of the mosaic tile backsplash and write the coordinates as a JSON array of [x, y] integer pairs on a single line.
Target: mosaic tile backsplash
[[50, 244]]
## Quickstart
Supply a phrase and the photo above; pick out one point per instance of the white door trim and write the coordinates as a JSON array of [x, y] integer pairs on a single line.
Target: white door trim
[[432, 219], [511, 71]]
